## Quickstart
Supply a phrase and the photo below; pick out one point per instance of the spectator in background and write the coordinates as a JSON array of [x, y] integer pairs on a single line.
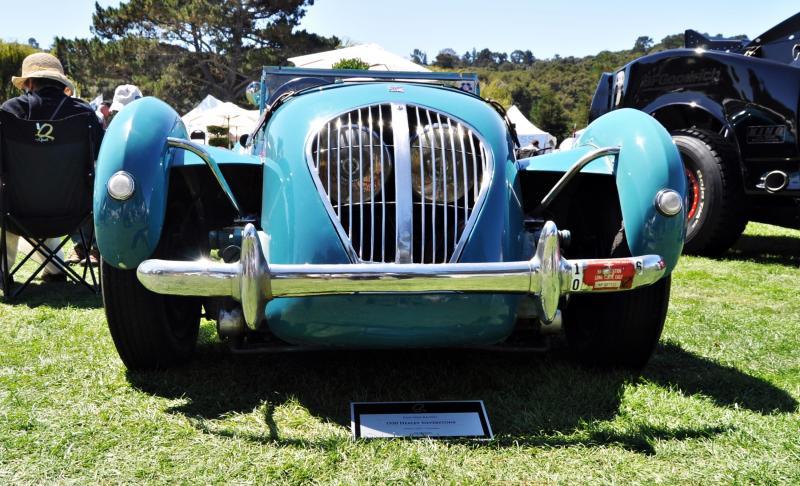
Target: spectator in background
[[124, 94], [102, 112], [45, 98]]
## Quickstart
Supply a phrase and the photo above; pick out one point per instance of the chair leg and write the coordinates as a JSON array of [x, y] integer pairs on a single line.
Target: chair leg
[[50, 257], [86, 243], [4, 270]]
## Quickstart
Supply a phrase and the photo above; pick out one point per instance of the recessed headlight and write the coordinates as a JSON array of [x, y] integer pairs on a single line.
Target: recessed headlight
[[668, 202], [120, 186]]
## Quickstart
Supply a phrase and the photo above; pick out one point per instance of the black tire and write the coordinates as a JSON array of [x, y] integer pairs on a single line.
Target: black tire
[[154, 331], [150, 331], [617, 329], [716, 210]]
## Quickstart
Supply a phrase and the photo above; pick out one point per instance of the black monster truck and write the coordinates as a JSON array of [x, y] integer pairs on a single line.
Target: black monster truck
[[732, 108]]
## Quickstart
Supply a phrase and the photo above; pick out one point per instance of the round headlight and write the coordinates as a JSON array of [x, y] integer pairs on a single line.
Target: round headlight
[[668, 202], [353, 164], [120, 186], [437, 169]]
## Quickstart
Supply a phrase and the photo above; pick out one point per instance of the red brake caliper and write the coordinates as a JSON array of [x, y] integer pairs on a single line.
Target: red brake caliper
[[694, 192]]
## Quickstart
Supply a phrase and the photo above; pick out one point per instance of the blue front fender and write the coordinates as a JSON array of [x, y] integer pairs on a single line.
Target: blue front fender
[[648, 162], [136, 142]]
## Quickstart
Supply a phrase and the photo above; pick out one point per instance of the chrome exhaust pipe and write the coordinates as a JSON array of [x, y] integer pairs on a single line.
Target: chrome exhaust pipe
[[775, 181]]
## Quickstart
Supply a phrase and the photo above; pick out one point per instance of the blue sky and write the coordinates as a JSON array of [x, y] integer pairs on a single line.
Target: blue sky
[[576, 28]]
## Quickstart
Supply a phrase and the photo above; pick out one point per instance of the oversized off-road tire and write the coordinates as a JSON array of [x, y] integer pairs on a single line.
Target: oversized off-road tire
[[617, 329], [716, 212], [150, 331]]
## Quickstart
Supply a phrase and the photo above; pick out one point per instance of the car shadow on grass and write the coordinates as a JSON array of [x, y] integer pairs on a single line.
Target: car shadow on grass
[[782, 250], [542, 399]]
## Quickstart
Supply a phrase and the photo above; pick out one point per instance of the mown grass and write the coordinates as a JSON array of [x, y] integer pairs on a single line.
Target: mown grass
[[717, 403]]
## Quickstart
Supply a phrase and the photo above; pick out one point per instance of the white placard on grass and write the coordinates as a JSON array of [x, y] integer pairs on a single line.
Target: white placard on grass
[[460, 419]]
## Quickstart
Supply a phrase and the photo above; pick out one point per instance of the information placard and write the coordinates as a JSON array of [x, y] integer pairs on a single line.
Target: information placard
[[459, 419]]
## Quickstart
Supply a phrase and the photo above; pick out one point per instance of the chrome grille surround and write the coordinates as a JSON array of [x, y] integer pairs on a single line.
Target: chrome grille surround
[[397, 214]]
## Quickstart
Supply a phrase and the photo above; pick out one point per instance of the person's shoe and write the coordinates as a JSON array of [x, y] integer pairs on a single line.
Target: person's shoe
[[54, 277], [94, 258], [77, 256]]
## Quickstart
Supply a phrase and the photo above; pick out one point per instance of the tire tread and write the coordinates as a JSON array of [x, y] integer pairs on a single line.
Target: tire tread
[[731, 215]]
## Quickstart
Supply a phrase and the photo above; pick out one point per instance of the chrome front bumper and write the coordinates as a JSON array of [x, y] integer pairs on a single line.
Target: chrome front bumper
[[253, 281]]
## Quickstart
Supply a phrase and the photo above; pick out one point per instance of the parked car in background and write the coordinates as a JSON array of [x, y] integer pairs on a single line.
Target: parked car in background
[[384, 210], [732, 108]]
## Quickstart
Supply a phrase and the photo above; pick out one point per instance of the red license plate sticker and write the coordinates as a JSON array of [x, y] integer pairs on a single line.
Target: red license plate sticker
[[610, 275]]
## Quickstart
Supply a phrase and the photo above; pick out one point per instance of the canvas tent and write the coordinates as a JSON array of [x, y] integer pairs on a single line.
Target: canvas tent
[[212, 111], [527, 131], [208, 102], [372, 54]]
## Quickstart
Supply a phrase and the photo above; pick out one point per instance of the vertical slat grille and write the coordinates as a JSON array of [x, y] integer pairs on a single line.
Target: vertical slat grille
[[354, 162]]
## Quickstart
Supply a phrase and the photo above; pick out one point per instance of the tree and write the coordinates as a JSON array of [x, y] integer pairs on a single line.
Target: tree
[[447, 59], [33, 42], [548, 114], [642, 44], [161, 70], [528, 58], [225, 43], [499, 57], [673, 41], [484, 58], [498, 91], [419, 57], [517, 57], [11, 56], [354, 63]]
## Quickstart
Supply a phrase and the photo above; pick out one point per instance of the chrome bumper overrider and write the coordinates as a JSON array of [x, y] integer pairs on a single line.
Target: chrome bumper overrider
[[253, 281]]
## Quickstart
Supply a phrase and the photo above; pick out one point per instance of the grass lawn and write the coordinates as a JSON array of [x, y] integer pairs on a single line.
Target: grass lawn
[[717, 403]]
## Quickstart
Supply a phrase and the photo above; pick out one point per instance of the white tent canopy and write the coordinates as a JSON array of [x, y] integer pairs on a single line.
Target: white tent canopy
[[212, 111], [372, 54], [527, 131], [208, 102]]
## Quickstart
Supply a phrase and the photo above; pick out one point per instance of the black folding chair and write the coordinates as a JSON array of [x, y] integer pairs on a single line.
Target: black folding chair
[[46, 181]]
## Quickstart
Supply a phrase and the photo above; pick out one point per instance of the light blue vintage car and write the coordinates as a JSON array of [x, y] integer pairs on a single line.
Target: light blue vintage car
[[385, 210]]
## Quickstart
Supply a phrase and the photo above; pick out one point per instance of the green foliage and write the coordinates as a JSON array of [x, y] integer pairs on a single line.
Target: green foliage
[[352, 63], [674, 41], [218, 136], [11, 56], [217, 131], [548, 114], [446, 59], [643, 44], [498, 90], [181, 50], [562, 86]]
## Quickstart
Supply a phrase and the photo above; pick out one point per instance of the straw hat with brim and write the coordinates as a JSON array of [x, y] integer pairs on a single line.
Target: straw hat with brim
[[42, 65]]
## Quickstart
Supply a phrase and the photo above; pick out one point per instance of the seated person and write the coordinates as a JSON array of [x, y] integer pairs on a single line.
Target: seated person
[[44, 98]]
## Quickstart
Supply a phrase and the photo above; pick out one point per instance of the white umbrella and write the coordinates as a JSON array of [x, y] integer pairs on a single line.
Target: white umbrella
[[236, 120]]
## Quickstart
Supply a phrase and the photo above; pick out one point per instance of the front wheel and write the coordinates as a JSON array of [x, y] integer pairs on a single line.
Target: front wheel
[[617, 329], [715, 210], [150, 331]]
